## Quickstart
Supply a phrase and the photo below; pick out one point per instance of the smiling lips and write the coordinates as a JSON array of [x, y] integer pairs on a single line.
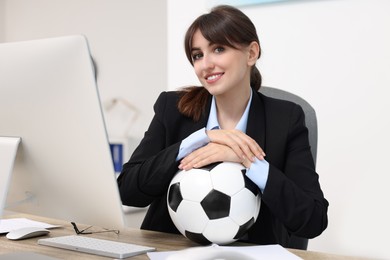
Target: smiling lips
[[213, 77]]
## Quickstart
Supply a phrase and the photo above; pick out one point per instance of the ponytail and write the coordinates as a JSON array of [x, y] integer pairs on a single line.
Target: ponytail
[[192, 102], [256, 78]]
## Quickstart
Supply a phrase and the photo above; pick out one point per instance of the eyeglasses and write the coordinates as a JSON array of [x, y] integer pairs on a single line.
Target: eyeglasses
[[85, 231]]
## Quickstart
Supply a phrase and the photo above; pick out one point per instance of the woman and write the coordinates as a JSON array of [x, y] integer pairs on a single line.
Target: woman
[[227, 119]]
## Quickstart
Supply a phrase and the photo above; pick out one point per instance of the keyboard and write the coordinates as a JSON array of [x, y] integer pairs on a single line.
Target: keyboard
[[95, 246]]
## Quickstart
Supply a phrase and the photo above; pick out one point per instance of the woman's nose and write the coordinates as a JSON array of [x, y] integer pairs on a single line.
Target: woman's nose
[[208, 62]]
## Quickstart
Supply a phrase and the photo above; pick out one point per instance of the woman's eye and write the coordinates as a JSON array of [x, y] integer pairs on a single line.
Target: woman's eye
[[196, 56], [219, 49]]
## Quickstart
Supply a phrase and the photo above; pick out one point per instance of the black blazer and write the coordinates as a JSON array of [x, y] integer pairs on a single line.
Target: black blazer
[[292, 201]]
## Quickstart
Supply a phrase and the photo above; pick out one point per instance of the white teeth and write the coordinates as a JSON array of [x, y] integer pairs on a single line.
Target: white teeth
[[213, 77]]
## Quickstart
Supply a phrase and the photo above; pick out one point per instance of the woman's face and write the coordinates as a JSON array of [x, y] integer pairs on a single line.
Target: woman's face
[[220, 69]]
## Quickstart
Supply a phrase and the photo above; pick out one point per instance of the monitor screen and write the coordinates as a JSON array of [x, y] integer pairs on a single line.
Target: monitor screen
[[63, 167]]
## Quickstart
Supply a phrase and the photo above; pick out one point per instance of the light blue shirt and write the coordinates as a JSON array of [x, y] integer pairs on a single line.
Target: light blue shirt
[[258, 172]]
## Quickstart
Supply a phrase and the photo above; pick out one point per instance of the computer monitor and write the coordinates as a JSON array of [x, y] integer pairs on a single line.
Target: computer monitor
[[8, 148], [63, 167]]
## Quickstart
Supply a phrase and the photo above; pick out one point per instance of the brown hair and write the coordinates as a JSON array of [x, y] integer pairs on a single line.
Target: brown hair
[[224, 25]]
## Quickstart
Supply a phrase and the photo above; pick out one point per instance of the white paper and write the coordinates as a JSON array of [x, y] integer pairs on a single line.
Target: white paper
[[269, 252], [6, 225]]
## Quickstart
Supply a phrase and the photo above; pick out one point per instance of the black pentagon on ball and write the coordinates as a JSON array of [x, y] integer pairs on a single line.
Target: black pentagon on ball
[[198, 238], [174, 196], [216, 204], [244, 228]]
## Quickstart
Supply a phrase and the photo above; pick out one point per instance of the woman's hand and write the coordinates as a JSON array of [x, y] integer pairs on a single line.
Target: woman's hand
[[243, 145], [211, 153]]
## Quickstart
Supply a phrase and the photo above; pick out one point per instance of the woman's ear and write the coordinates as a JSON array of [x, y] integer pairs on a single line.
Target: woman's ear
[[253, 51]]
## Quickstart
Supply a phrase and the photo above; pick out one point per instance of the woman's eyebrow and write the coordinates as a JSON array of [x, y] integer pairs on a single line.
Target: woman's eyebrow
[[195, 49]]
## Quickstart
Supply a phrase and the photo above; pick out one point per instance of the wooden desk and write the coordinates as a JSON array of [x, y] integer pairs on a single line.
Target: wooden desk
[[161, 241]]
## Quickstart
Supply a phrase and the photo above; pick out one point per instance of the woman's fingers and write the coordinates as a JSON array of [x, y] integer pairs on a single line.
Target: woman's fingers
[[208, 154], [226, 145], [243, 145]]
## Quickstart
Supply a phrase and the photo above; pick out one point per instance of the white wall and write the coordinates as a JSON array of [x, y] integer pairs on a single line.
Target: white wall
[[2, 25], [336, 54], [128, 46]]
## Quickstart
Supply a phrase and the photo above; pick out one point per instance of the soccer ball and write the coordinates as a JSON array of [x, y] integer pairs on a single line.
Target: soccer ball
[[214, 204]]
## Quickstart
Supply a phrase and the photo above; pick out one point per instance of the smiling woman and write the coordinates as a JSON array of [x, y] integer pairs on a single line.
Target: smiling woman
[[226, 119]]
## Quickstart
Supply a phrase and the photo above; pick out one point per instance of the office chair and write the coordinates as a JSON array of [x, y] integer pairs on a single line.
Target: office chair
[[311, 123]]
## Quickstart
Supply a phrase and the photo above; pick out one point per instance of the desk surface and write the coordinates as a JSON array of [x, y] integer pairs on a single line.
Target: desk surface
[[161, 241]]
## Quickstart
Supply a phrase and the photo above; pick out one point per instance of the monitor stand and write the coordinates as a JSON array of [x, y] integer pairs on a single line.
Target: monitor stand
[[8, 149]]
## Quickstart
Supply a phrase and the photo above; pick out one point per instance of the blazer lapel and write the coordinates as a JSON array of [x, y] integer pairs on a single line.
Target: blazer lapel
[[256, 120]]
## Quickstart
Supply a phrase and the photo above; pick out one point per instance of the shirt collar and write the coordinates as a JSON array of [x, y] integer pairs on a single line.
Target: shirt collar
[[212, 122]]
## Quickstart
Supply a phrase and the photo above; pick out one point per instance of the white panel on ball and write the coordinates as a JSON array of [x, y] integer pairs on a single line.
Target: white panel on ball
[[221, 231], [224, 178], [241, 212], [195, 189], [191, 216]]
